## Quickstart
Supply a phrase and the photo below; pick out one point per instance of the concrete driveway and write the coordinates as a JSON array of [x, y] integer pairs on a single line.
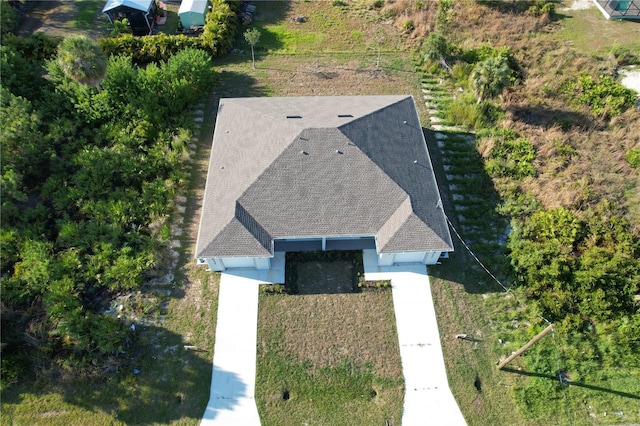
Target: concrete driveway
[[233, 382], [428, 399]]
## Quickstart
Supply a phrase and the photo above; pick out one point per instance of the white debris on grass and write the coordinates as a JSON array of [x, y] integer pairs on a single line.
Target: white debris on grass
[[580, 5], [630, 78]]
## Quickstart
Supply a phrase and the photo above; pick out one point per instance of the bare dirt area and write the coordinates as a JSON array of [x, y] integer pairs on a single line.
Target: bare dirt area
[[58, 19], [335, 277]]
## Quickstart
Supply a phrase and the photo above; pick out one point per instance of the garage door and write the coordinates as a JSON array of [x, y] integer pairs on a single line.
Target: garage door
[[238, 262], [409, 257]]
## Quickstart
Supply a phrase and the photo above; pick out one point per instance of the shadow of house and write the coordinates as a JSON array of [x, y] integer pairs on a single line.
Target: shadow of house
[[141, 14]]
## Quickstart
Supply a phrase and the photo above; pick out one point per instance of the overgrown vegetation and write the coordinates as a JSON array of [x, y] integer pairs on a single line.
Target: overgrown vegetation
[[572, 197], [573, 246], [88, 179]]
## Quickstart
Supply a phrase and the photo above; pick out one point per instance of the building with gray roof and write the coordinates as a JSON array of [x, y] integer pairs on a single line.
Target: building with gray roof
[[320, 173]]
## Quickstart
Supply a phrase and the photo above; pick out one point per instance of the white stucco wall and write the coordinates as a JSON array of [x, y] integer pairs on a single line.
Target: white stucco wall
[[424, 257], [223, 263]]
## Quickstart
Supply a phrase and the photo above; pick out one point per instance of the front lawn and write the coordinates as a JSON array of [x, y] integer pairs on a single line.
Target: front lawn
[[324, 359]]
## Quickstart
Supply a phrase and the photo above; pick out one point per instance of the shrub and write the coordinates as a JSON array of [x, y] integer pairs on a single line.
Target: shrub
[[633, 157], [408, 25], [8, 18], [220, 28], [37, 47], [541, 7], [511, 158], [606, 97], [216, 39]]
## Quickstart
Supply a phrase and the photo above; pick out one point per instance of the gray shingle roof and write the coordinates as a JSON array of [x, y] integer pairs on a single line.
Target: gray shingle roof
[[319, 166]]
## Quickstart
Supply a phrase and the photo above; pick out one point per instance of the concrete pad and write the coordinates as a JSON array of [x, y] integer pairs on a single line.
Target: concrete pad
[[232, 397], [274, 275]]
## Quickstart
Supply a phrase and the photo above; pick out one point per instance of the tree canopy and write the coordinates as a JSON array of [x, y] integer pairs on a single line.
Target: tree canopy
[[89, 180], [82, 60]]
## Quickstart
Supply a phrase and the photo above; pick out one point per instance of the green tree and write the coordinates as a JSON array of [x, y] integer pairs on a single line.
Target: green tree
[[490, 77], [82, 60], [252, 35], [436, 49]]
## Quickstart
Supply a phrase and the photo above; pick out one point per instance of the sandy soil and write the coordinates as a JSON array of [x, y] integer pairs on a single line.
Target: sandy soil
[[53, 18], [631, 78], [580, 5]]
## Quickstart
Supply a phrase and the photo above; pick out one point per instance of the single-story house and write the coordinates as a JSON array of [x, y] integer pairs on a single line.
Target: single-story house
[[192, 13], [320, 173], [140, 13]]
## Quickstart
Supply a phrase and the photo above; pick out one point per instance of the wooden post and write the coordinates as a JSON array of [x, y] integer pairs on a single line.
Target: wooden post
[[525, 347]]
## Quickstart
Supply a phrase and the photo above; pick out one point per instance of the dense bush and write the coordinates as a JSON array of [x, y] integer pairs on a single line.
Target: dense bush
[[37, 47], [88, 180], [511, 157], [605, 97], [582, 273]]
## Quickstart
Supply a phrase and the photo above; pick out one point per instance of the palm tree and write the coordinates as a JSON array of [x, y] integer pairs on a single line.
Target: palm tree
[[490, 77], [82, 60]]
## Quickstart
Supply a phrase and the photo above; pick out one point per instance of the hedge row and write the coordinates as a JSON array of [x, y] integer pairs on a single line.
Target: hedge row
[[216, 39]]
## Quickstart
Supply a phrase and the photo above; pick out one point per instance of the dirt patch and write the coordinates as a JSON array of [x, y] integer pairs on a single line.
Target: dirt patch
[[579, 5], [325, 277], [631, 78], [58, 19]]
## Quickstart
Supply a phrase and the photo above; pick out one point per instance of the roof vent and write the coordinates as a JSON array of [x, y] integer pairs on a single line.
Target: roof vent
[[345, 115], [294, 116], [339, 152], [304, 153]]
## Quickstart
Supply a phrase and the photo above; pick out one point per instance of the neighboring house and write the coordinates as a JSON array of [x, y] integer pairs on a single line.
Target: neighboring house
[[140, 13], [320, 173], [619, 9]]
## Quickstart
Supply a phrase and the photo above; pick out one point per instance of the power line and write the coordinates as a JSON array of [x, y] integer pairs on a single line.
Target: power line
[[518, 301]]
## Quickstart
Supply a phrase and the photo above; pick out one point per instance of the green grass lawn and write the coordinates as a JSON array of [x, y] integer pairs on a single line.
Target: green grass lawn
[[326, 358], [590, 32]]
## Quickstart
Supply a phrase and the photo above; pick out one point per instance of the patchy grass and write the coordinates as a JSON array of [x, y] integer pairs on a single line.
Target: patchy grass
[[325, 28], [580, 26], [169, 388], [87, 11], [328, 357]]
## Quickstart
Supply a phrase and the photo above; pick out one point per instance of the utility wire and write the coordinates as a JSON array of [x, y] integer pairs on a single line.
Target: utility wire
[[507, 290]]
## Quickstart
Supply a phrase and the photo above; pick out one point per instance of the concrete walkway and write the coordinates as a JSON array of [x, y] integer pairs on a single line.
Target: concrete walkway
[[428, 399], [233, 382]]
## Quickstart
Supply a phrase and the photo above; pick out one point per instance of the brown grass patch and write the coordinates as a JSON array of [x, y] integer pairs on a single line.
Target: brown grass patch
[[327, 329]]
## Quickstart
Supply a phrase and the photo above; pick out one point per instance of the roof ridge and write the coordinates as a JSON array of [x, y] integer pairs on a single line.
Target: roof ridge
[[394, 222], [258, 232], [371, 113]]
